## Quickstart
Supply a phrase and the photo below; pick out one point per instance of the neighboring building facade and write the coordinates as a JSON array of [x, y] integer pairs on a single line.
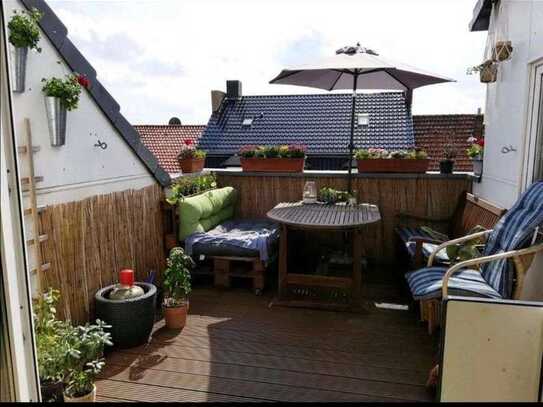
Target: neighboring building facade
[[165, 142], [434, 132], [514, 103], [319, 121]]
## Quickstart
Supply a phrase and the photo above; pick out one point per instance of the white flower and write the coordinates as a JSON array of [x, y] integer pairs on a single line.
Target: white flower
[[472, 139]]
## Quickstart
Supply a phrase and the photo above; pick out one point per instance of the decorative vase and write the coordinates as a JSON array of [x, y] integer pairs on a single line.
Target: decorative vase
[[87, 398], [20, 57], [272, 164], [56, 120], [477, 166], [393, 165], [176, 317], [446, 166], [51, 391], [489, 73], [189, 165]]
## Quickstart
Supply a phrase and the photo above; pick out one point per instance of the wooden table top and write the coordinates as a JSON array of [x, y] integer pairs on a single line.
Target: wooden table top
[[321, 216]]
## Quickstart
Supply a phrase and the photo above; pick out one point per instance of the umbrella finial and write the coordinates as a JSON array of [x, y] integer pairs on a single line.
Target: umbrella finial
[[350, 50]]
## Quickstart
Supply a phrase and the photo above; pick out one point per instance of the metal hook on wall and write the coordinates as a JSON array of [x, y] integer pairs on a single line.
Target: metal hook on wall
[[101, 144], [508, 149]]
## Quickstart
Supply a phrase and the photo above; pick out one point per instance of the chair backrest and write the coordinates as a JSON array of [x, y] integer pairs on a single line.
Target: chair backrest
[[512, 232], [474, 211]]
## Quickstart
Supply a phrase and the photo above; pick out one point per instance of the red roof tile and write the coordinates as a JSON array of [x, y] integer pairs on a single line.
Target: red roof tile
[[432, 132], [165, 141]]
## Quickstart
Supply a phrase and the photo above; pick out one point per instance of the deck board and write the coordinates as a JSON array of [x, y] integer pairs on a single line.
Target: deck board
[[236, 348]]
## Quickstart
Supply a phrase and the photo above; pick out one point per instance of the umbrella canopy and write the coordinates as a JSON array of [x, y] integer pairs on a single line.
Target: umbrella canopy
[[373, 72], [358, 68]]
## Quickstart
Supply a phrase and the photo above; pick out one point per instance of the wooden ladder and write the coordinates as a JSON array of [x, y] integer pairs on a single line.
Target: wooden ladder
[[33, 211]]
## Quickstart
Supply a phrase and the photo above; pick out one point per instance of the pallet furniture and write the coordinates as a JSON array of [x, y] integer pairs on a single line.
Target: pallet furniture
[[292, 286], [225, 267], [470, 212]]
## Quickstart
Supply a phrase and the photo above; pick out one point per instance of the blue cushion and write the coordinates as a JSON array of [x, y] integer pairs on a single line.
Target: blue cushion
[[427, 283], [406, 233]]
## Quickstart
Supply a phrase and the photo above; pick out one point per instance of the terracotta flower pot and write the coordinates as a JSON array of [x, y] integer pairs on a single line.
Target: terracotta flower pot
[[272, 164], [189, 165], [87, 398], [393, 165], [176, 317]]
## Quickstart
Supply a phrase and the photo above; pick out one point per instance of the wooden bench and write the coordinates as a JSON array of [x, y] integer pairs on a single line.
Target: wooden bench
[[470, 211]]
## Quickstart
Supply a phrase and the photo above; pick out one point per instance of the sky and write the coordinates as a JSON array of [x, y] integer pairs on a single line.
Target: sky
[[161, 58]]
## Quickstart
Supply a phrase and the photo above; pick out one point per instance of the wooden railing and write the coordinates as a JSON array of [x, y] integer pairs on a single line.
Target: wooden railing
[[432, 195]]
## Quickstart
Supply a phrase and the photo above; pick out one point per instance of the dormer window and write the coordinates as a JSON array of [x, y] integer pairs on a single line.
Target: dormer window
[[363, 119]]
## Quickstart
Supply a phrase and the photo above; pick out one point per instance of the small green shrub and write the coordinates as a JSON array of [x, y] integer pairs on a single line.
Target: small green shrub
[[190, 185], [177, 277], [67, 90], [331, 196], [24, 30]]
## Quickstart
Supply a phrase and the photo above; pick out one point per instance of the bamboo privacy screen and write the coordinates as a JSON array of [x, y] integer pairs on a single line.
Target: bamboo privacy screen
[[92, 239]]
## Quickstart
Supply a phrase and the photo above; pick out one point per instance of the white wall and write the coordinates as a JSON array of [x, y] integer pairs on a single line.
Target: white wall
[[78, 169], [507, 102]]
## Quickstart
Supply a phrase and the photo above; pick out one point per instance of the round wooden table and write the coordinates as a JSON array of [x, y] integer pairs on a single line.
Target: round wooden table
[[296, 215]]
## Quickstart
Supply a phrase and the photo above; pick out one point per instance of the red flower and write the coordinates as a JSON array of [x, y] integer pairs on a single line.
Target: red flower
[[188, 142], [83, 81], [481, 142]]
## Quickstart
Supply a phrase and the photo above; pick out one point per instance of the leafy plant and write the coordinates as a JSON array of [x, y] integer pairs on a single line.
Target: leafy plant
[[281, 151], [449, 151], [177, 277], [186, 186], [476, 149], [380, 153], [190, 151], [24, 30], [467, 250], [51, 338], [85, 357], [478, 68], [67, 90], [331, 196]]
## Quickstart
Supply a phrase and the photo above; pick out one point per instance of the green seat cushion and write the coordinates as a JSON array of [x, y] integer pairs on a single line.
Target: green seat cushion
[[203, 212]]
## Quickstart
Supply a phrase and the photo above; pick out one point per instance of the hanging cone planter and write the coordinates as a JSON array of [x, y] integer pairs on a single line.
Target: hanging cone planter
[[20, 58], [56, 120]]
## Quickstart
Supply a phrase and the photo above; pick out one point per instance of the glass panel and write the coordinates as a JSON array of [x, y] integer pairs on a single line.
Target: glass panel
[[538, 165], [6, 369]]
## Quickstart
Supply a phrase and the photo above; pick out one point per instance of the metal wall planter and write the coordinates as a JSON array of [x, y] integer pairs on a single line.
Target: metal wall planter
[[56, 120], [20, 58]]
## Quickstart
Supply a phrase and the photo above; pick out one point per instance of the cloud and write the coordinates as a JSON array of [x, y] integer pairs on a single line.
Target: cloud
[[172, 53]]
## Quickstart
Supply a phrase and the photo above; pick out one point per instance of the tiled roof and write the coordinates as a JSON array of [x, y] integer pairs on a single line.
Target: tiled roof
[[57, 33], [165, 142], [321, 122], [432, 132]]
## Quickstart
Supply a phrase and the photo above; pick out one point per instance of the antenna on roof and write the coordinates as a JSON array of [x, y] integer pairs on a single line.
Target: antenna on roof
[[174, 120]]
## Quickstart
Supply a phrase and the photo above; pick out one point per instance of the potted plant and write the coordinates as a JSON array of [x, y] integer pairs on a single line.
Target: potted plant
[[502, 51], [50, 336], [283, 158], [178, 286], [446, 165], [381, 160], [61, 95], [488, 71], [476, 151], [190, 158], [85, 360], [188, 186], [331, 196], [24, 34]]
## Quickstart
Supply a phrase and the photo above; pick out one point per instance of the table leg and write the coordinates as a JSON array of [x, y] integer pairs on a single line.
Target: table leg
[[357, 266], [283, 247]]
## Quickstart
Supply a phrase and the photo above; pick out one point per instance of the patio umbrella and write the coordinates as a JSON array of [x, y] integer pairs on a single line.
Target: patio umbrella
[[358, 68]]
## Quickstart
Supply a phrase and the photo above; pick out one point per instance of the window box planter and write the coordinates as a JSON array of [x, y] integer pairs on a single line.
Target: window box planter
[[393, 165], [272, 164], [189, 165]]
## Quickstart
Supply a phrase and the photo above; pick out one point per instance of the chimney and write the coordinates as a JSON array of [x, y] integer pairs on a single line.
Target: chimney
[[174, 120], [233, 89], [217, 97]]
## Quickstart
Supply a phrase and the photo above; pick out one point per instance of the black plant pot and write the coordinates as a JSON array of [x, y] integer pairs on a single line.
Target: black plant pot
[[132, 319], [446, 166], [52, 391]]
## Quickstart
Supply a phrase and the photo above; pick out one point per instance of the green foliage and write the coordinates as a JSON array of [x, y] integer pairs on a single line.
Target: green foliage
[[23, 29], [190, 185], [380, 153], [281, 151], [85, 353], [475, 151], [467, 250], [51, 338], [177, 277], [67, 90], [331, 196]]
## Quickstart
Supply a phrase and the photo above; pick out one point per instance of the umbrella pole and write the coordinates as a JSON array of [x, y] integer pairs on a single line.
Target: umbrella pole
[[351, 141]]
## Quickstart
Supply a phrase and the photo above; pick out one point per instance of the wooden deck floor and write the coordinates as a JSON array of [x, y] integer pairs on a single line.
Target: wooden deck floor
[[235, 348]]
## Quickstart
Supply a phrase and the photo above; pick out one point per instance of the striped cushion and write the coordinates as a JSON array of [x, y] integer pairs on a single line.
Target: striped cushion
[[512, 232], [406, 233], [426, 283]]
